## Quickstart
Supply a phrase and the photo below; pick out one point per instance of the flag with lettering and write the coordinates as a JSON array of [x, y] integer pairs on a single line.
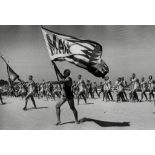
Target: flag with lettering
[[82, 53]]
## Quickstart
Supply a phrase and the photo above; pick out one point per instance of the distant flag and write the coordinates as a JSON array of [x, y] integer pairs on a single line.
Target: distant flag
[[82, 53], [12, 75]]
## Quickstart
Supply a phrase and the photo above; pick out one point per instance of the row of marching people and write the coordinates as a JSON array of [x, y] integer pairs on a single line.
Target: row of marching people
[[129, 92], [124, 91]]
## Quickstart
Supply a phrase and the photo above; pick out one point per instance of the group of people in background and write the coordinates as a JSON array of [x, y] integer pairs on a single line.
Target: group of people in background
[[121, 90], [124, 91]]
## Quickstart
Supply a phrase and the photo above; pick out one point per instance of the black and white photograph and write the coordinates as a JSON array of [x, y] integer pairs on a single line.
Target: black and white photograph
[[77, 77]]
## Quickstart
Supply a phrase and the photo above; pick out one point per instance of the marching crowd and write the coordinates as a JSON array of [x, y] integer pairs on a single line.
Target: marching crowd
[[86, 89]]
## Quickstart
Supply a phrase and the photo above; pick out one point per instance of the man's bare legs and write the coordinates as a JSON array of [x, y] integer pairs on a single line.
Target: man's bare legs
[[144, 94], [151, 94], [83, 95], [26, 101], [58, 110], [33, 101], [72, 107], [1, 99]]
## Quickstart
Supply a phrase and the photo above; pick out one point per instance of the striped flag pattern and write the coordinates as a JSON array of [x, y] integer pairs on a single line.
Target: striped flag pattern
[[82, 53]]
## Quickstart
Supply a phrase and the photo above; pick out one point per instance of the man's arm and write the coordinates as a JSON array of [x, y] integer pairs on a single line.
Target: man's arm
[[60, 82]]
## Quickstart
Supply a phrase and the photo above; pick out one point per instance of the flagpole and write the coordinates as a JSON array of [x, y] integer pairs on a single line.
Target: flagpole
[[56, 74], [4, 60], [8, 73], [7, 66]]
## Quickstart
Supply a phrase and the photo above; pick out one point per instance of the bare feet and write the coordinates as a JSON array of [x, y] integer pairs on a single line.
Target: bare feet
[[58, 123], [24, 108], [77, 122]]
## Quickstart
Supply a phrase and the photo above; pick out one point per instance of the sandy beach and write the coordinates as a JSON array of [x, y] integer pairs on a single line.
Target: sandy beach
[[97, 115]]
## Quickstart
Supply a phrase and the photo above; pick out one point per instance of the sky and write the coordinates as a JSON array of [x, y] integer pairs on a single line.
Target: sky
[[126, 50]]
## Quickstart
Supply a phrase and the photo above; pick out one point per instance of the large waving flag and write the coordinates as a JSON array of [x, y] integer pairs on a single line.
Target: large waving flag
[[82, 53]]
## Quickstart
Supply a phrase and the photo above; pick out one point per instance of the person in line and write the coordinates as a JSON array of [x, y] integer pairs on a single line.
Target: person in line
[[101, 89], [143, 86], [107, 88], [124, 83], [89, 89], [95, 90], [119, 87], [135, 89], [82, 89], [31, 93], [150, 86]]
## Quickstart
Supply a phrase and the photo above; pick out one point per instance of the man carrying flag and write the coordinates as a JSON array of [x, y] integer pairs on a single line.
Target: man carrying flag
[[66, 80], [85, 54]]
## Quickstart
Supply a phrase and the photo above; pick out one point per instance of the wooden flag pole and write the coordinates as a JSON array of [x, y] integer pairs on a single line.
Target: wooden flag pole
[[56, 74], [4, 60]]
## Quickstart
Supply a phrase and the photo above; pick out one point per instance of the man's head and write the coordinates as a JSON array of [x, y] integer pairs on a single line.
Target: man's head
[[150, 77], [118, 79], [143, 78], [137, 80], [133, 75], [67, 73], [79, 77], [30, 77]]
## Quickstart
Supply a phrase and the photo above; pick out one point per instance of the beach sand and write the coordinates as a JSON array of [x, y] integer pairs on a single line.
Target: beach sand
[[97, 115]]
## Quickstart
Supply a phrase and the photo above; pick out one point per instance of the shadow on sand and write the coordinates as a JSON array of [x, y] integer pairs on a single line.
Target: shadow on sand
[[37, 108], [102, 123], [86, 104]]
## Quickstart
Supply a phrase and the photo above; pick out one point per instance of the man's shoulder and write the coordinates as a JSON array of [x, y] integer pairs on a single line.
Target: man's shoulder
[[31, 82], [69, 78]]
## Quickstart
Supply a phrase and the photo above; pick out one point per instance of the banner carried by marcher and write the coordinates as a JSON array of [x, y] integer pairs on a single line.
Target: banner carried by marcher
[[82, 53], [11, 73]]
